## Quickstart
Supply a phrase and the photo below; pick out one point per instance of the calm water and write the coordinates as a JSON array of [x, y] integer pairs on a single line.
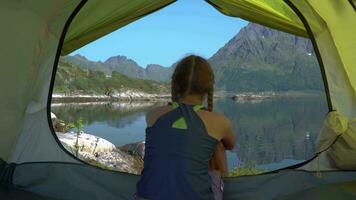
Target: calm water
[[271, 134]]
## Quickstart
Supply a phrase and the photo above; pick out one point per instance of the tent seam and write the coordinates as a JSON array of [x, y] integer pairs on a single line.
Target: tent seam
[[54, 71], [316, 49]]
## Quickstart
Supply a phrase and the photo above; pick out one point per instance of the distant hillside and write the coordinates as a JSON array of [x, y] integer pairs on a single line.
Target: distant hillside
[[259, 59], [84, 63], [123, 65], [159, 73], [256, 59], [71, 78]]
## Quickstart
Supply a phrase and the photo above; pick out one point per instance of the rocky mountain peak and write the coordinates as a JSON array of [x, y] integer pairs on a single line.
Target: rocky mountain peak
[[80, 57], [118, 59], [256, 40], [152, 67]]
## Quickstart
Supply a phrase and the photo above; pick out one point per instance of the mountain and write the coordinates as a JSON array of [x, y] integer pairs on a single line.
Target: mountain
[[159, 73], [123, 65], [259, 59], [84, 63], [256, 59], [71, 78]]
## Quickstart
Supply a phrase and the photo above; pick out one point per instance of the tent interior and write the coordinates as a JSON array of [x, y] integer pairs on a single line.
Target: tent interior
[[34, 165]]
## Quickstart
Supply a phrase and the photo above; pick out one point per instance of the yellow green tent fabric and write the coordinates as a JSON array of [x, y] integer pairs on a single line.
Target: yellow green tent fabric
[[100, 17], [272, 13], [30, 52], [333, 25]]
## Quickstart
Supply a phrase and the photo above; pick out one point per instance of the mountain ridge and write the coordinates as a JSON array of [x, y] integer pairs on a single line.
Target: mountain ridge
[[257, 58], [71, 79]]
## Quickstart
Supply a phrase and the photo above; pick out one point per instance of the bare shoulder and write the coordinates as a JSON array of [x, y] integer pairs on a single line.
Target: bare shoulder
[[155, 113], [216, 123], [217, 117]]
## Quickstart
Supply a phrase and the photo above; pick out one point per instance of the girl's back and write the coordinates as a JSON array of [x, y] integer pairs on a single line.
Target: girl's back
[[176, 158], [182, 139]]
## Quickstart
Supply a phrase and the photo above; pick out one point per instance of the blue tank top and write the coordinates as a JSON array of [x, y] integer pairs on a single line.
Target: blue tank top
[[177, 154]]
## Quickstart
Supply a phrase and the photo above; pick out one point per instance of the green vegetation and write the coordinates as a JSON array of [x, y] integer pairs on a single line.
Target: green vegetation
[[248, 169], [72, 79], [97, 164], [78, 126]]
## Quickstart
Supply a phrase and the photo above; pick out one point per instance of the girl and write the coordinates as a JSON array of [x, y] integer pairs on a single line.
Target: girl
[[185, 143]]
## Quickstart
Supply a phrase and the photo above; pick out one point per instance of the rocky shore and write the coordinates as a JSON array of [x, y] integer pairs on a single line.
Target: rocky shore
[[250, 97], [100, 152], [120, 105], [127, 95]]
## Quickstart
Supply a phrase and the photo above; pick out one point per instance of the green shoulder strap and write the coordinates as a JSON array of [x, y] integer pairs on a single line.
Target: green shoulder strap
[[180, 123]]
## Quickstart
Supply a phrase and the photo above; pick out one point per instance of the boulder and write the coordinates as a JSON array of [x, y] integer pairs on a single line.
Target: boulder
[[100, 152], [58, 125], [137, 148]]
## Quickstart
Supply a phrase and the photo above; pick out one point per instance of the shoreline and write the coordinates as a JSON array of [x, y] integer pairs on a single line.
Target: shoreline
[[146, 97], [60, 98], [270, 95]]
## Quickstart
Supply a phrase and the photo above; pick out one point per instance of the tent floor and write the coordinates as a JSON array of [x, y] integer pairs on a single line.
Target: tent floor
[[344, 191], [61, 180], [11, 193], [337, 191]]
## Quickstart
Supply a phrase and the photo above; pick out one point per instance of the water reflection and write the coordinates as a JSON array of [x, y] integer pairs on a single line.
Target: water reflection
[[272, 133], [116, 115], [275, 131]]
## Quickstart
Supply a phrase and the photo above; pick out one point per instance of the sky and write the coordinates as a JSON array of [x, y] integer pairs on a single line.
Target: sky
[[163, 37]]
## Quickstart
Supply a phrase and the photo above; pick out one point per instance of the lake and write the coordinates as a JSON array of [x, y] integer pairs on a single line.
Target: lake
[[271, 134]]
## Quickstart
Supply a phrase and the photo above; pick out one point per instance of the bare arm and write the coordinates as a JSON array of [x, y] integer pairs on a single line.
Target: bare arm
[[150, 117], [229, 137], [219, 160]]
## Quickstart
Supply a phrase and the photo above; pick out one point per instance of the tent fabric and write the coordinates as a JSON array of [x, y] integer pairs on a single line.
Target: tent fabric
[[342, 152], [97, 19], [353, 3], [36, 142], [29, 52], [27, 57], [76, 181], [335, 145], [332, 25], [271, 13], [2, 168], [331, 191], [335, 39], [334, 125], [12, 193]]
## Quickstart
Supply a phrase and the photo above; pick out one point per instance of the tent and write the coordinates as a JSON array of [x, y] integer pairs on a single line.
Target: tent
[[34, 165]]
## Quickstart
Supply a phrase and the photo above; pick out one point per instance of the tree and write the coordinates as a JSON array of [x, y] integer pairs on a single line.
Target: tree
[[78, 126]]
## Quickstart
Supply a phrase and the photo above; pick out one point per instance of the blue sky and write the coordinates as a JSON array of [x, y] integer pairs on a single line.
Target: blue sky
[[184, 27]]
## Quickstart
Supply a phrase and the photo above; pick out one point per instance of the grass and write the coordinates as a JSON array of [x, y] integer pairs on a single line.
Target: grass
[[246, 170], [98, 164]]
